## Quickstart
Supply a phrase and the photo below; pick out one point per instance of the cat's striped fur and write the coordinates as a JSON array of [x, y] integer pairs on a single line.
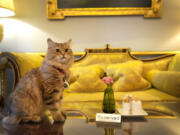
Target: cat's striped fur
[[41, 89]]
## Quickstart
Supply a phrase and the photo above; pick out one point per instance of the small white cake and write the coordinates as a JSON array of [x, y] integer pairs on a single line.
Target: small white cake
[[126, 105], [136, 107], [131, 106], [126, 108]]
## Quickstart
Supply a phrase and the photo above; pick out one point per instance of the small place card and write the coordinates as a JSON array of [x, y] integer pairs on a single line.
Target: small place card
[[105, 117]]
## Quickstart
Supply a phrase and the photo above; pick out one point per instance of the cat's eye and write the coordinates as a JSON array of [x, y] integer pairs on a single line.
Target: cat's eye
[[66, 50], [57, 50]]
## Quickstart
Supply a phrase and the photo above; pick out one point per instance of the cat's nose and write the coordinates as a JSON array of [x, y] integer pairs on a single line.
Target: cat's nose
[[63, 55]]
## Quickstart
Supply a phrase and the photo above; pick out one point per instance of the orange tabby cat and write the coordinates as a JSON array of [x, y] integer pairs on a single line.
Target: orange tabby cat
[[41, 89]]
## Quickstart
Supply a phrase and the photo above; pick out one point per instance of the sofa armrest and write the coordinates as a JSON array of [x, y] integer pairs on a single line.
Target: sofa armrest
[[166, 81], [12, 67]]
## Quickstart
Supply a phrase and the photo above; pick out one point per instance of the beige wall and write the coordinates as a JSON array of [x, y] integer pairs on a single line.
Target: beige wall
[[28, 31]]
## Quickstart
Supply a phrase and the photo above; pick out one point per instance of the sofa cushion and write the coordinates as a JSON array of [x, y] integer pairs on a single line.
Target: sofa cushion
[[28, 61], [161, 64], [87, 83], [77, 71], [174, 64], [146, 95], [127, 76], [166, 81], [87, 79]]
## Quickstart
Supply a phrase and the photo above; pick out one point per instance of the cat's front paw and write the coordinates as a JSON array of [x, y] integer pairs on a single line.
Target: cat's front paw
[[64, 114], [59, 117], [34, 119]]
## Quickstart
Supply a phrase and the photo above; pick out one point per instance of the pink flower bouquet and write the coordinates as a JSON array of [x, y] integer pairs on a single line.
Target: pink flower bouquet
[[107, 80]]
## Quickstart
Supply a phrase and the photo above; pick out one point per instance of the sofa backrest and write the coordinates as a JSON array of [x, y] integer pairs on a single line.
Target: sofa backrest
[[104, 56], [21, 63]]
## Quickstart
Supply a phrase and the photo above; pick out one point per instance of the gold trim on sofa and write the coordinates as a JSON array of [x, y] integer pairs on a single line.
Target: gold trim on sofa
[[133, 55]]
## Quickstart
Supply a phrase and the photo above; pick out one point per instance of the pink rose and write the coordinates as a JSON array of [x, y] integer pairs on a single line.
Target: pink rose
[[107, 80]]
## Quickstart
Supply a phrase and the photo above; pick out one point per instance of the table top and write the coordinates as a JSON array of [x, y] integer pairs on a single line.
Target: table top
[[81, 127]]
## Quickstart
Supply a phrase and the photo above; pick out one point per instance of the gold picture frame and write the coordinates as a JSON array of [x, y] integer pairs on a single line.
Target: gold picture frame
[[53, 12]]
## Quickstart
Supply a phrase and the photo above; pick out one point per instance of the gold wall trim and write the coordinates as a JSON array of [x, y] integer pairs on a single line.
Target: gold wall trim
[[53, 12]]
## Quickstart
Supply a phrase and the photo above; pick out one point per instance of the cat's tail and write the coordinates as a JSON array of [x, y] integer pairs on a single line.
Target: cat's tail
[[12, 120]]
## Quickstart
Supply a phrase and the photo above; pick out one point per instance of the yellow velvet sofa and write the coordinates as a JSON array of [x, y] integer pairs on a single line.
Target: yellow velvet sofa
[[152, 77]]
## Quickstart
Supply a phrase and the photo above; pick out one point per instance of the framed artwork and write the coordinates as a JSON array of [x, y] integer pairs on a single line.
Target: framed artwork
[[59, 9]]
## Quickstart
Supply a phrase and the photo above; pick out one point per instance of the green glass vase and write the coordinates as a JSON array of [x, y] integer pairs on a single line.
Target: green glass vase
[[109, 101], [109, 131]]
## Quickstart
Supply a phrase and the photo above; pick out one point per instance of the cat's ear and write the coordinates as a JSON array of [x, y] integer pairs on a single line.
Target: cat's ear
[[69, 42], [50, 42]]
